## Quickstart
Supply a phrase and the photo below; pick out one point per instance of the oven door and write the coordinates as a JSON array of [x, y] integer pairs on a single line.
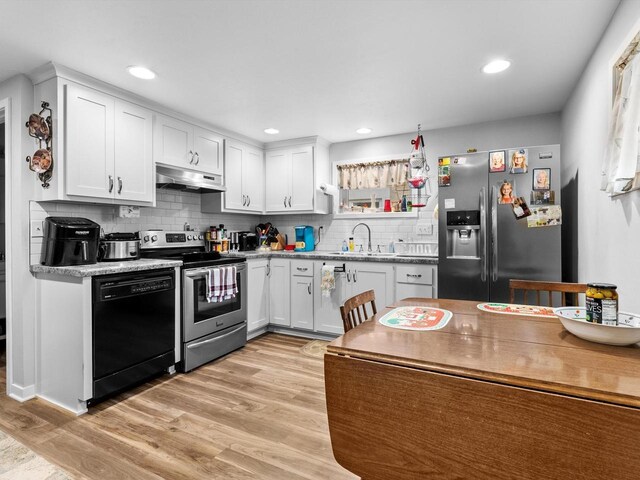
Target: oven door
[[200, 317]]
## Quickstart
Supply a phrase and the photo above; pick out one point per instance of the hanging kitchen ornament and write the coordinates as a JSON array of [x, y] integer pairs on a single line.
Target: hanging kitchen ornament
[[418, 172]]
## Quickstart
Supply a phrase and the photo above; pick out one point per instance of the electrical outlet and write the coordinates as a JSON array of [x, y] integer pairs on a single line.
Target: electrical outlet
[[424, 229], [37, 228]]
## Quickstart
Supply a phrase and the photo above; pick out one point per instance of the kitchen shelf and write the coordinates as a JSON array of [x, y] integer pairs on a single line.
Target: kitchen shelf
[[412, 214]]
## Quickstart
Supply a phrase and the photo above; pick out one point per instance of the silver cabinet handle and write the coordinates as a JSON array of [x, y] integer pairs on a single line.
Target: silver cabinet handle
[[494, 234], [349, 276], [483, 235], [285, 201], [211, 340], [289, 200], [414, 275], [110, 183], [302, 269], [119, 185], [354, 276], [248, 200], [309, 289], [268, 270], [244, 200], [191, 153], [197, 158]]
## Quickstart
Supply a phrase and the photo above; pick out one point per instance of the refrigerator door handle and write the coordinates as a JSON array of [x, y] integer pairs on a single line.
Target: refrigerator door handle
[[494, 234], [483, 234]]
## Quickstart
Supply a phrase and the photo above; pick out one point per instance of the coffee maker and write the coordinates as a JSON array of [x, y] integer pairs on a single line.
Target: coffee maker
[[305, 240], [70, 241]]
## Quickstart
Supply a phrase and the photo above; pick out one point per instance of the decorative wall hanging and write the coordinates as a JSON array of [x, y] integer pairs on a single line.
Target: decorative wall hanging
[[620, 166], [40, 127], [418, 174]]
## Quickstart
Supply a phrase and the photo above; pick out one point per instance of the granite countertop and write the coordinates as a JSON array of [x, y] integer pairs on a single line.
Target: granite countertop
[[351, 256], [106, 268]]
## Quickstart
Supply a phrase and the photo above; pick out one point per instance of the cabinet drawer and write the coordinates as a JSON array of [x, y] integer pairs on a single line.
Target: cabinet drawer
[[302, 268], [409, 290], [415, 274]]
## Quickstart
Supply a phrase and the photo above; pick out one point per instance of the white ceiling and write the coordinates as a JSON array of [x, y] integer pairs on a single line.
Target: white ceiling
[[318, 67]]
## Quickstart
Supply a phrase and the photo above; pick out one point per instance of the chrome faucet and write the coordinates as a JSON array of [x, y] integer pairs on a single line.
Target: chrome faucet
[[369, 230]]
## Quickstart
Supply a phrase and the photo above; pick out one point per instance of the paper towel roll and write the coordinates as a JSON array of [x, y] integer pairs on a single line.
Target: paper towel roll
[[329, 189]]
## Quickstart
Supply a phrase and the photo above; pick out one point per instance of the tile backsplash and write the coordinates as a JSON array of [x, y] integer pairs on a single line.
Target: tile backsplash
[[175, 208]]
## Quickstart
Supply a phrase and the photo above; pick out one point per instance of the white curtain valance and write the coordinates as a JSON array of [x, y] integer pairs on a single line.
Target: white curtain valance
[[383, 174], [621, 165]]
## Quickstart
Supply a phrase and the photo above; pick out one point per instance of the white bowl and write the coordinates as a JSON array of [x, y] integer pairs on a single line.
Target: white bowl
[[574, 319]]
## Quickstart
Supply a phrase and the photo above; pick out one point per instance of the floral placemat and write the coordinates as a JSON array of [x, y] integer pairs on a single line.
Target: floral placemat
[[416, 318], [514, 309]]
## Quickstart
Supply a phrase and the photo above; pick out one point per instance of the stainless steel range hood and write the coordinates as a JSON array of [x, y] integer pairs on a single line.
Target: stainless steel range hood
[[186, 180]]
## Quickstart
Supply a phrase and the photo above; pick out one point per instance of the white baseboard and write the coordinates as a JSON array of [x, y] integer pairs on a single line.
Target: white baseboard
[[301, 333], [21, 394], [78, 409], [257, 333]]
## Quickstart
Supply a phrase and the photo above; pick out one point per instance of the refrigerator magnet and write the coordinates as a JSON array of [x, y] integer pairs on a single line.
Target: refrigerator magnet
[[497, 161], [444, 172], [506, 193], [518, 160], [545, 216], [520, 208], [541, 178], [545, 197]]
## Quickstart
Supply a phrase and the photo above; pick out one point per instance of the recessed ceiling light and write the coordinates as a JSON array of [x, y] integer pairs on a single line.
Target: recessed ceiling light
[[496, 66], [364, 130], [271, 131], [141, 72]]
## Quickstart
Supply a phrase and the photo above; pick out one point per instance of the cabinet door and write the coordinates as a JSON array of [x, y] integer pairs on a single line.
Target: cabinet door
[[257, 294], [207, 151], [408, 290], [133, 155], [89, 144], [326, 309], [253, 179], [374, 276], [302, 182], [302, 302], [234, 199], [279, 294], [173, 142], [278, 180]]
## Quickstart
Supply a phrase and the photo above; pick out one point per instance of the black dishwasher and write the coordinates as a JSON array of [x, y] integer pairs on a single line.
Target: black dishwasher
[[134, 329]]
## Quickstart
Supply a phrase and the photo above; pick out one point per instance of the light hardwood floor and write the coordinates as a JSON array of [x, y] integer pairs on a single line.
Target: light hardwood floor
[[258, 413]]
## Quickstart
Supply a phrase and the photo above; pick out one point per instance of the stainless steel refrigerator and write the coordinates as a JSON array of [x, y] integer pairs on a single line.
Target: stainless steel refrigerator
[[481, 242]]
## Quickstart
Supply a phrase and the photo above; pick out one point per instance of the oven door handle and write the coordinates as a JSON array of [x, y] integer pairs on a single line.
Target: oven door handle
[[211, 340], [200, 271]]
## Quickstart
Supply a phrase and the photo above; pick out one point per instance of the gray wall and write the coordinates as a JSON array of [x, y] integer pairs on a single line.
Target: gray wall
[[531, 130], [605, 230]]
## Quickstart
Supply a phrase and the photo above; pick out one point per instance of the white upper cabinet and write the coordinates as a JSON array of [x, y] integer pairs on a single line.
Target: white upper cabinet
[[243, 179], [278, 178], [133, 153], [108, 147], [293, 176], [184, 145]]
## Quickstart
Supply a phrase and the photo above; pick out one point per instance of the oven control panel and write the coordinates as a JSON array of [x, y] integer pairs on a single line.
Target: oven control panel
[[162, 239]]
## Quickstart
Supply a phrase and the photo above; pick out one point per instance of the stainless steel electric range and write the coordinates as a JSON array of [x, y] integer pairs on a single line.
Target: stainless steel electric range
[[209, 330]]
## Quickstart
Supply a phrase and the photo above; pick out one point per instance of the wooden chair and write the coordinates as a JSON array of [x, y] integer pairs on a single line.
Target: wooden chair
[[573, 289], [354, 310]]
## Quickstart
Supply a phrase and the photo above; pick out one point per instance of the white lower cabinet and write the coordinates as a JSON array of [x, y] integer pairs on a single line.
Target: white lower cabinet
[[296, 300], [363, 276], [279, 293], [302, 283], [416, 281], [257, 294]]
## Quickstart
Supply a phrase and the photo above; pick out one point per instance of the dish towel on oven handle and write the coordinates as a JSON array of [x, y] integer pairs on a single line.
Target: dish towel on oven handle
[[221, 284]]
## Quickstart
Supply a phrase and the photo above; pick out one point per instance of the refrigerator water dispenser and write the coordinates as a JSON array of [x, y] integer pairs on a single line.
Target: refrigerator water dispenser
[[463, 234]]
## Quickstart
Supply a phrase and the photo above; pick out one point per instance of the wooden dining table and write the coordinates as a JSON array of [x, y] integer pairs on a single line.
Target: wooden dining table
[[488, 396]]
